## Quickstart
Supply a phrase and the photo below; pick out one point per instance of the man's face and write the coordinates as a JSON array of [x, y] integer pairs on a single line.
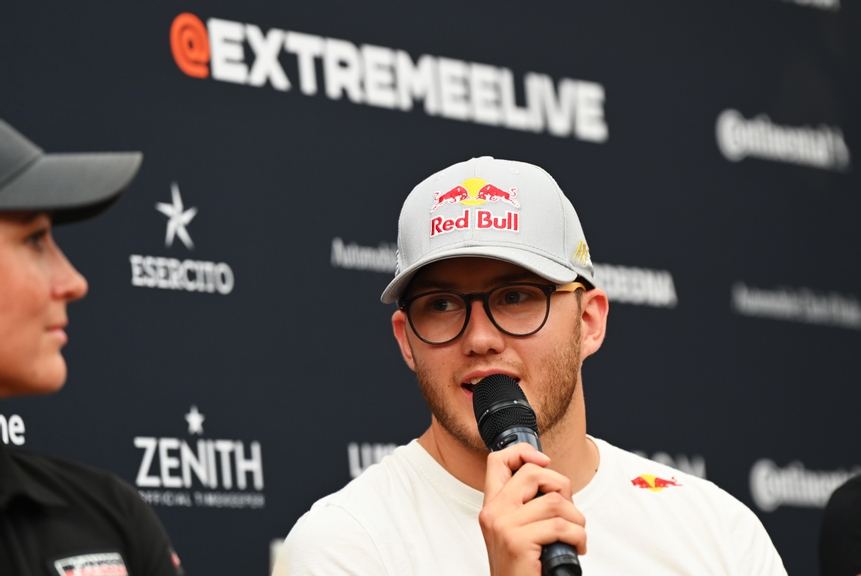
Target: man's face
[[547, 364], [36, 283]]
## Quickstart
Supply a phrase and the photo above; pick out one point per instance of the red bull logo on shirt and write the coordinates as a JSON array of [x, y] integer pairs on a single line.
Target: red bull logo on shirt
[[475, 192], [653, 483]]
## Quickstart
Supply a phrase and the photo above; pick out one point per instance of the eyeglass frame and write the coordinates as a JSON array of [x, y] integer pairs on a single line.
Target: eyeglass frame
[[548, 289]]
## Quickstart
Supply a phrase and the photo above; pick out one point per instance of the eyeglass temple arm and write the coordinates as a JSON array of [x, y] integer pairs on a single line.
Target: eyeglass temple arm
[[570, 287]]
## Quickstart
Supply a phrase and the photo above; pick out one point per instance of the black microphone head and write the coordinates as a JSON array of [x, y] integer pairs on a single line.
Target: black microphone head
[[499, 405]]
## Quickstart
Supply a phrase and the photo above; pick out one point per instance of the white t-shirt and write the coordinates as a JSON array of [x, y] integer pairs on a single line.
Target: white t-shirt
[[408, 515]]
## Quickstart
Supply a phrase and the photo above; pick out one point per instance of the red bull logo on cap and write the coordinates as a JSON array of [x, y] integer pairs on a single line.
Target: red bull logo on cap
[[473, 192], [653, 483]]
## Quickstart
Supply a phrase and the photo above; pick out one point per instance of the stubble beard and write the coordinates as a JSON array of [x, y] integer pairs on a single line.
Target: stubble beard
[[557, 381]]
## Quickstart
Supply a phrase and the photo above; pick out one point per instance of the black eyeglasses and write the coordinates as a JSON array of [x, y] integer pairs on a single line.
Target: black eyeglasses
[[516, 309]]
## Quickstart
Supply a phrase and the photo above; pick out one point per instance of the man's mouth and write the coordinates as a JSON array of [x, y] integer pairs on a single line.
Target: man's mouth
[[473, 382]]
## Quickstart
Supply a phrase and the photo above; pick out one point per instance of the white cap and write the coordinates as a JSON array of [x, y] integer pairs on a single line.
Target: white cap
[[489, 208]]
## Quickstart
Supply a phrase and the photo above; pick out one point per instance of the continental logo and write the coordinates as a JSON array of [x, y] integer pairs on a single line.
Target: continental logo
[[388, 78], [794, 485], [820, 147], [830, 5], [653, 483]]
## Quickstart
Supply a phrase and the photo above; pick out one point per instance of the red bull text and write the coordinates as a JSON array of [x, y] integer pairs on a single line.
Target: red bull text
[[484, 220]]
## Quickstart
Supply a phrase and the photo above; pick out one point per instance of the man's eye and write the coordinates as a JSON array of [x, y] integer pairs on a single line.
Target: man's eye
[[442, 304], [515, 297], [37, 238]]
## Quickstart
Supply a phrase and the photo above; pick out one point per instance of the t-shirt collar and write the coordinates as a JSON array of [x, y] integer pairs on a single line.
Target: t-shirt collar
[[16, 482]]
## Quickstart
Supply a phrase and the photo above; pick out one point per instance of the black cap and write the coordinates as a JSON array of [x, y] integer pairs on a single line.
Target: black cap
[[71, 186]]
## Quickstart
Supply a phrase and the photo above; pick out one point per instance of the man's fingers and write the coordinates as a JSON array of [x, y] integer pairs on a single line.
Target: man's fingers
[[525, 485], [503, 464], [547, 507], [508, 520], [555, 530]]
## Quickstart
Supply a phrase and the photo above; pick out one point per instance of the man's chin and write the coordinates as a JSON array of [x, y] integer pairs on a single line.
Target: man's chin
[[469, 439]]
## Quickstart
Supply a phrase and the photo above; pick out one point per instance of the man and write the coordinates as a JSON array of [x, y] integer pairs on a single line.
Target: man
[[58, 517], [494, 277], [840, 534]]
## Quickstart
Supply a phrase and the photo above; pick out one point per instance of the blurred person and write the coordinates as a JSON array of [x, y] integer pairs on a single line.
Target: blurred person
[[494, 276], [840, 535], [56, 516]]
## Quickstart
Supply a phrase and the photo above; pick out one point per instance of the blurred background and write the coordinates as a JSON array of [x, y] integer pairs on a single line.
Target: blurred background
[[242, 366]]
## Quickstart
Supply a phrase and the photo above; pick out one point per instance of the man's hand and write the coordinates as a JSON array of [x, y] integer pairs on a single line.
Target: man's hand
[[514, 522]]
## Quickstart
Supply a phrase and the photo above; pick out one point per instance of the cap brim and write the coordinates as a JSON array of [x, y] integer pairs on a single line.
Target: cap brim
[[72, 186], [541, 265]]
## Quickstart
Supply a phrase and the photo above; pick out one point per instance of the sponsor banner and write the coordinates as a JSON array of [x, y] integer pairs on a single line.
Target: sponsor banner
[[362, 456], [388, 78], [772, 486], [695, 465], [759, 137], [630, 285], [382, 258], [832, 5], [172, 498], [170, 467], [797, 305], [174, 274], [623, 284], [12, 429]]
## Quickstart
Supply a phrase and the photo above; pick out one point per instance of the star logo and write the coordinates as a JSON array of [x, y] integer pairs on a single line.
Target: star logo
[[195, 420], [178, 218]]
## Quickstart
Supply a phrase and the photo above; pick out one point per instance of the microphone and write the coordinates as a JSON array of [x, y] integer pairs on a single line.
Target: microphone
[[504, 418]]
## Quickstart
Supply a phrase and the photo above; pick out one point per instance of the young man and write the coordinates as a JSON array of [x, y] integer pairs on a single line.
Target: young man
[[494, 277], [58, 517]]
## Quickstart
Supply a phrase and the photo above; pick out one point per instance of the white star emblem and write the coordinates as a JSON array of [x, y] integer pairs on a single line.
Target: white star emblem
[[195, 420], [178, 218]]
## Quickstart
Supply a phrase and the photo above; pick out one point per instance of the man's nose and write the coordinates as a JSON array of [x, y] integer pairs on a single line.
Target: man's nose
[[481, 335]]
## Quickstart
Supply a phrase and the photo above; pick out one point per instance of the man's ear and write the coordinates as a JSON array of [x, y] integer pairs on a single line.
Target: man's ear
[[594, 308], [399, 327]]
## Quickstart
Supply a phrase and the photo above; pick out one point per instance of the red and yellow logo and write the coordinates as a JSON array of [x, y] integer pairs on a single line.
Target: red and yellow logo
[[473, 192], [653, 483], [189, 43]]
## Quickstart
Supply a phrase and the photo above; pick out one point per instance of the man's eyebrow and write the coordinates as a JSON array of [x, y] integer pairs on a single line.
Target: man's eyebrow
[[519, 276], [22, 216], [424, 285], [434, 284]]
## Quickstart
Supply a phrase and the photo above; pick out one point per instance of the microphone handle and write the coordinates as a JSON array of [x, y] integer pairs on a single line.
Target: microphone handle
[[559, 558]]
